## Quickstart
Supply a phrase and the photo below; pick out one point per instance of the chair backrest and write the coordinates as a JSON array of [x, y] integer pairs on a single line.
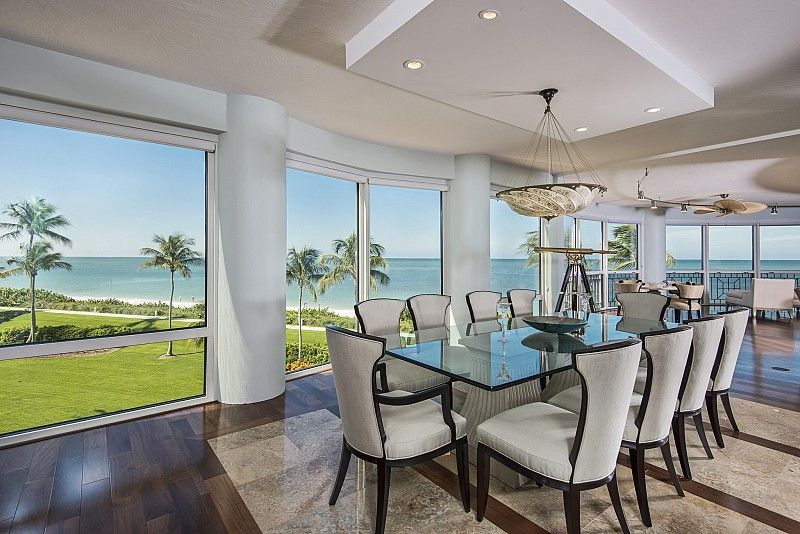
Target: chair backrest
[[353, 358], [667, 352], [650, 306], [428, 311], [797, 292], [690, 291], [706, 338], [627, 286], [773, 294], [732, 336], [483, 305], [380, 317], [607, 374], [521, 301]]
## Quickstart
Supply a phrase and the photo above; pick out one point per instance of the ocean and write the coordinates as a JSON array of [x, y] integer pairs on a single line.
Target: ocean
[[98, 277]]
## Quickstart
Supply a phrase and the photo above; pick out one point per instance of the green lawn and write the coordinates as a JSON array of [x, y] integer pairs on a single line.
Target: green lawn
[[56, 389], [53, 389]]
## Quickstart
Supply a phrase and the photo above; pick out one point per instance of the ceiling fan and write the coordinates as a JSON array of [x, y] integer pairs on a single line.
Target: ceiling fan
[[727, 206]]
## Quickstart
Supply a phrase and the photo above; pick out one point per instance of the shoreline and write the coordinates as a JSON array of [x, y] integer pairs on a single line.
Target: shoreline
[[138, 301], [343, 313]]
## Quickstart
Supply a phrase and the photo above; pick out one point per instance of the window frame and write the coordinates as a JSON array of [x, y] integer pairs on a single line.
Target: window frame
[[31, 111], [363, 179]]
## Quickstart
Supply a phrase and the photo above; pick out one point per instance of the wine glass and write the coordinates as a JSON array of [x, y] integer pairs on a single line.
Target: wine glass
[[503, 315]]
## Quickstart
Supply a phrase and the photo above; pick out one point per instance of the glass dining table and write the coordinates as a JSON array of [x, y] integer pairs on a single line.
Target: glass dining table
[[477, 353], [492, 373]]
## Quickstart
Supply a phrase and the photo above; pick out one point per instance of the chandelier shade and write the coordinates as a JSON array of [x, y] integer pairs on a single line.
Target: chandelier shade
[[563, 159]]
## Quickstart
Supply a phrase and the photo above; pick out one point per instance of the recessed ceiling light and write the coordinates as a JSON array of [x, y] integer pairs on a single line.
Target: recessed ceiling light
[[652, 110], [488, 14], [582, 129], [413, 64]]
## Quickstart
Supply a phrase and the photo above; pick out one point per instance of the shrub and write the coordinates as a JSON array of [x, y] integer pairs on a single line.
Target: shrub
[[320, 317], [310, 355], [18, 335]]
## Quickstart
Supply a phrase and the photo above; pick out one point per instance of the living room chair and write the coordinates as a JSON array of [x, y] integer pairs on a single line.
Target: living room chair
[[765, 294], [394, 429]]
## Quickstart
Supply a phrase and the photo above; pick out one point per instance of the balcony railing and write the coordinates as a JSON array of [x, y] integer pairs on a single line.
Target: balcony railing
[[616, 277]]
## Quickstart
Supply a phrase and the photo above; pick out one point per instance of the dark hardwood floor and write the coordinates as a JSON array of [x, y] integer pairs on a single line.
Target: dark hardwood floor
[[158, 474]]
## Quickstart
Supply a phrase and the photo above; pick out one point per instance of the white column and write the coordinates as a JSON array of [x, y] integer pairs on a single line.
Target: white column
[[553, 266], [654, 246], [252, 251], [466, 236]]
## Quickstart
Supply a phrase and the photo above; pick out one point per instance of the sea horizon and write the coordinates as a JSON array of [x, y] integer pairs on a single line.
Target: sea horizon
[[119, 277]]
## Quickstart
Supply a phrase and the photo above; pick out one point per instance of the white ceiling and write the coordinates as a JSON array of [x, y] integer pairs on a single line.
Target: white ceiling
[[606, 69], [293, 51]]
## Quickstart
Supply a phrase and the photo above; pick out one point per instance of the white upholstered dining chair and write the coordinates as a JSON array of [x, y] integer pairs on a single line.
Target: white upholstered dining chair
[[521, 301], [392, 429], [429, 311], [688, 300], [381, 317], [568, 451], [650, 413], [483, 305], [724, 367], [706, 338], [648, 306], [626, 286]]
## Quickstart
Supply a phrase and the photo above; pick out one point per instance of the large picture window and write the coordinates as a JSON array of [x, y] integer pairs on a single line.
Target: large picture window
[[514, 264], [779, 248], [101, 237]]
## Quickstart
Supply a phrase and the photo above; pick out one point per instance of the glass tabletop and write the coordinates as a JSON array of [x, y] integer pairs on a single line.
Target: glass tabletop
[[477, 354]]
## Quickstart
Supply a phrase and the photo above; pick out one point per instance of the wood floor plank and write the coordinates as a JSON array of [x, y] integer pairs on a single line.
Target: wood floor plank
[[95, 456], [124, 476], [67, 486], [19, 457], [96, 513], [128, 515], [156, 498], [187, 504], [71, 446], [43, 462], [119, 440], [67, 526], [31, 514], [235, 515], [10, 490]]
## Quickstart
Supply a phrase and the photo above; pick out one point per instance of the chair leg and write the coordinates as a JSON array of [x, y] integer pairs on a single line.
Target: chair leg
[[613, 492], [463, 474], [572, 511], [619, 310], [713, 417], [667, 454], [726, 402], [483, 480], [679, 430], [344, 463], [639, 483], [701, 431], [384, 475]]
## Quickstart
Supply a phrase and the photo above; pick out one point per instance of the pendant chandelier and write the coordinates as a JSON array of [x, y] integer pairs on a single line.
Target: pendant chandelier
[[563, 158]]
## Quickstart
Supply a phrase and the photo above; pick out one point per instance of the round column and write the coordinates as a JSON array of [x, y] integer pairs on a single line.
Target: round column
[[467, 232], [251, 299], [654, 246]]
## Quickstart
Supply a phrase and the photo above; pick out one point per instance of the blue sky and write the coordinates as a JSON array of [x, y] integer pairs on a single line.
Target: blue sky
[[115, 192]]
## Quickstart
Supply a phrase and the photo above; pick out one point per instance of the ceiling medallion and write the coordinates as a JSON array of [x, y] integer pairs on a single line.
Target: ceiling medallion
[[722, 207], [563, 158]]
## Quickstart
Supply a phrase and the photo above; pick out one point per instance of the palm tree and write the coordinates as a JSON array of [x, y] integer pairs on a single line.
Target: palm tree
[[623, 247], [343, 263], [37, 257], [671, 261], [304, 268], [527, 246], [34, 218], [175, 254]]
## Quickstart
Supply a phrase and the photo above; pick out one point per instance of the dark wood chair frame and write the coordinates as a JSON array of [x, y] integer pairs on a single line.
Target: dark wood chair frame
[[679, 419], [385, 465], [571, 491], [712, 396], [636, 450], [469, 303], [511, 303], [411, 310], [677, 313]]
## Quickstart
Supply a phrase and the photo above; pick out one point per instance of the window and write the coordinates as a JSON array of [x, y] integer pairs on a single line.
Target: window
[[623, 246], [684, 248], [730, 248], [102, 273], [514, 264], [591, 236], [321, 263], [406, 252], [779, 248]]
